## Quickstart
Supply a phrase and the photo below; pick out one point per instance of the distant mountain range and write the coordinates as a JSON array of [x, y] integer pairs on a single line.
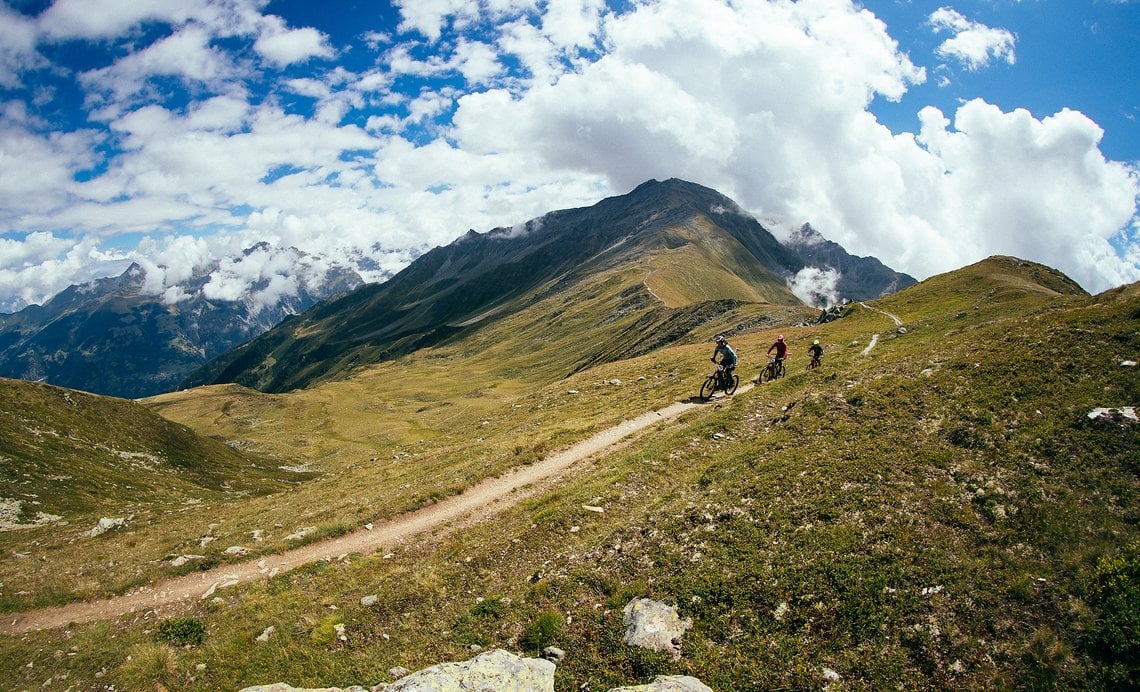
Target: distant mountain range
[[669, 254], [113, 337]]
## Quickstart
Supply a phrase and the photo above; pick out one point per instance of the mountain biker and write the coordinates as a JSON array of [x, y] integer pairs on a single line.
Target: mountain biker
[[781, 349], [728, 358], [816, 352]]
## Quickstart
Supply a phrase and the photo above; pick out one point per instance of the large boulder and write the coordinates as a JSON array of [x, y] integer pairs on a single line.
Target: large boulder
[[654, 625], [668, 683], [490, 671]]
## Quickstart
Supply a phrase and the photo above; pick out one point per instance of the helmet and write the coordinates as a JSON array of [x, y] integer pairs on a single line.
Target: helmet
[[815, 343], [719, 339], [780, 338]]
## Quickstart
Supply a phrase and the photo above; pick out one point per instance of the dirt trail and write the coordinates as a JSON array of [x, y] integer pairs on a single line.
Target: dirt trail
[[875, 337], [486, 498], [894, 317]]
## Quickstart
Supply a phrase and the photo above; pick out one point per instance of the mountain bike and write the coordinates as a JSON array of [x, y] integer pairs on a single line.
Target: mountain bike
[[773, 370], [718, 379], [816, 361]]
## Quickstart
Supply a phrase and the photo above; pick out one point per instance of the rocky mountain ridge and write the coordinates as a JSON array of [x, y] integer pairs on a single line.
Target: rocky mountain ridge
[[670, 250]]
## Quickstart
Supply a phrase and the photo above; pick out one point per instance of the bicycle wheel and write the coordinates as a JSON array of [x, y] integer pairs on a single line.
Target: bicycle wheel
[[767, 373], [780, 370], [733, 384], [708, 388]]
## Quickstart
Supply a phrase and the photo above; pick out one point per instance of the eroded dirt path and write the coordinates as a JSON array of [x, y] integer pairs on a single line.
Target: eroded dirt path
[[482, 500], [894, 317]]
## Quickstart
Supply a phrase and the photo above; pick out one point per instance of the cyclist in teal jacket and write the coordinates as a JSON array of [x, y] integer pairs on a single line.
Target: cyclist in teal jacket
[[728, 358]]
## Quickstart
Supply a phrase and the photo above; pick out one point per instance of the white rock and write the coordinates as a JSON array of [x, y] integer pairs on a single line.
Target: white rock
[[266, 634], [369, 600], [106, 524], [668, 683], [654, 625], [300, 533], [1114, 415], [236, 550], [183, 559], [491, 670]]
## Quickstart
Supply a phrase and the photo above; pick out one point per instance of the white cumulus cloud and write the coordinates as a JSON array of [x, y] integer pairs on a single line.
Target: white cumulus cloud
[[974, 45], [815, 286]]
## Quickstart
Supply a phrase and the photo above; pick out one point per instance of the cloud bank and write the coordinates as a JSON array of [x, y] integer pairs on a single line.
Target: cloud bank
[[226, 126]]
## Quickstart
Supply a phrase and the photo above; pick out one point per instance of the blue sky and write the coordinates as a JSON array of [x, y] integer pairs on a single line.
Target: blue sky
[[175, 133]]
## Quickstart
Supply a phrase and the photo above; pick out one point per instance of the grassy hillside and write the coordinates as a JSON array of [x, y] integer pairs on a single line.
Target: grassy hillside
[[71, 458], [938, 511]]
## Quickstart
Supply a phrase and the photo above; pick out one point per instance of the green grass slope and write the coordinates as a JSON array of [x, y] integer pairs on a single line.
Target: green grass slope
[[938, 511], [70, 458]]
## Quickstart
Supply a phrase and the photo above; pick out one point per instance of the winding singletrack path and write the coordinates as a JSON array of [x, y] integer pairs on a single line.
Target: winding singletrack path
[[486, 498], [875, 337]]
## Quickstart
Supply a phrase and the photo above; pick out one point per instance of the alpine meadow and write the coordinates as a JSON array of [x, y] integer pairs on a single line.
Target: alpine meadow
[[508, 437]]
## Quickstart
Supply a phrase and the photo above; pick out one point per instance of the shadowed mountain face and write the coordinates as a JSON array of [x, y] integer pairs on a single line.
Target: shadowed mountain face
[[112, 337], [672, 249]]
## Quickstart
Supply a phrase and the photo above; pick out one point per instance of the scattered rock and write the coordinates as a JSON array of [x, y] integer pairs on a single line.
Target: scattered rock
[[830, 675], [300, 533], [223, 583], [1127, 363], [654, 625], [369, 600], [106, 524], [398, 672], [553, 654], [266, 634], [1119, 416], [183, 559], [668, 683], [781, 611], [236, 550], [592, 508]]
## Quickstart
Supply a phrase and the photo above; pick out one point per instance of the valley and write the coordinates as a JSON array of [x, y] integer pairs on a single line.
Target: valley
[[500, 448]]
